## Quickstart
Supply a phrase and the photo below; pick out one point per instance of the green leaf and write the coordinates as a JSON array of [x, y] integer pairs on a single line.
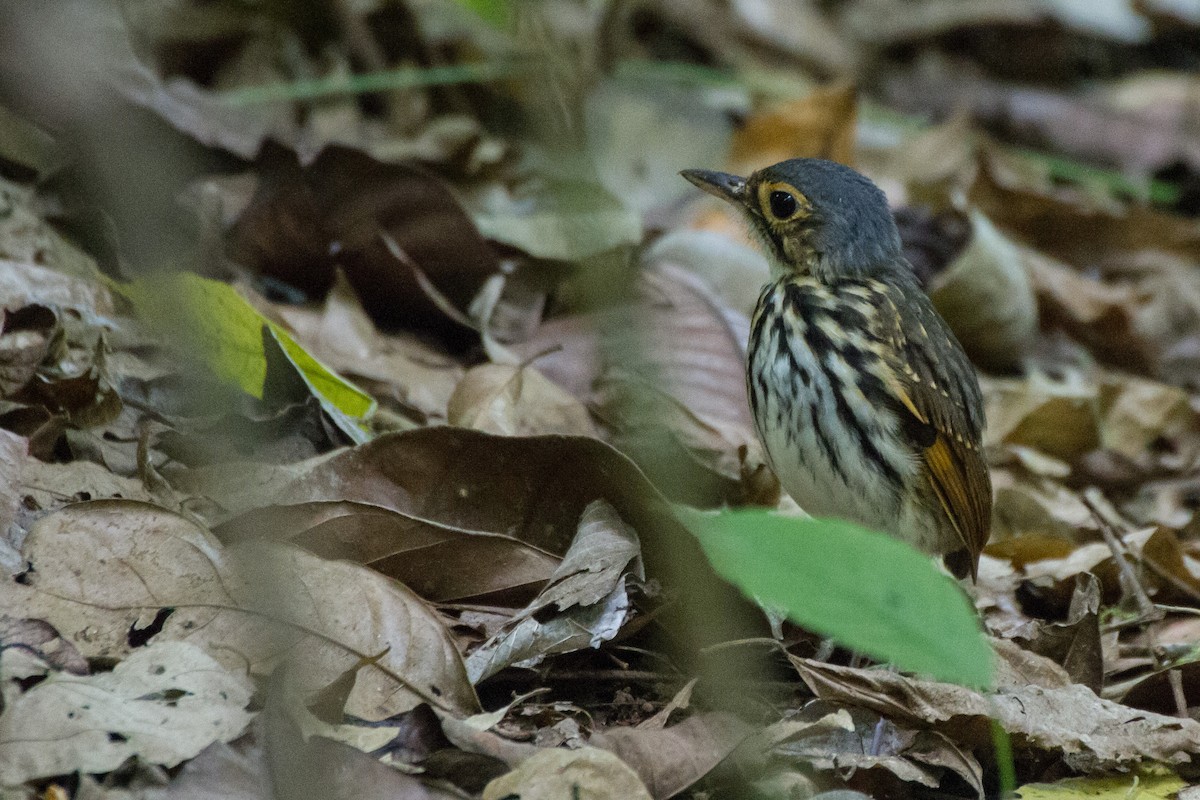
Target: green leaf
[[494, 12], [227, 332], [868, 591]]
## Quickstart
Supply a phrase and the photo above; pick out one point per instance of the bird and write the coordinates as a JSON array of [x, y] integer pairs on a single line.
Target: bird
[[868, 408]]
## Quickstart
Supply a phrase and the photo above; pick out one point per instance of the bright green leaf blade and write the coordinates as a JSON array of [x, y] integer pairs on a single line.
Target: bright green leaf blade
[[333, 393], [226, 331], [866, 590]]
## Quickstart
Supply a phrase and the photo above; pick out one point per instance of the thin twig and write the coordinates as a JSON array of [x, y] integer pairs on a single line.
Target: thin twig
[[1175, 678], [1147, 611]]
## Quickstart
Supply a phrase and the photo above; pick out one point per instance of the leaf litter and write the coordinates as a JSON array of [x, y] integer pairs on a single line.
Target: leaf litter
[[547, 339]]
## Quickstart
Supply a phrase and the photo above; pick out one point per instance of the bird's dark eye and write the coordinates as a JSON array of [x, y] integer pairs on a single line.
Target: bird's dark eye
[[783, 205]]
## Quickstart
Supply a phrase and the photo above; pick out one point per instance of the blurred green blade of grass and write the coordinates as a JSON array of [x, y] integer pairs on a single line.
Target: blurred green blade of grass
[[381, 81]]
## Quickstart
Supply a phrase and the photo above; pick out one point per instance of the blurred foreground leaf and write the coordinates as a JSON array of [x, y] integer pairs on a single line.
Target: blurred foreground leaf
[[227, 332], [379, 81], [494, 12], [868, 591], [1149, 782]]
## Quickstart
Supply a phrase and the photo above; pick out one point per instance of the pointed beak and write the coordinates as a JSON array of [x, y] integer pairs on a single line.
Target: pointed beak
[[728, 187]]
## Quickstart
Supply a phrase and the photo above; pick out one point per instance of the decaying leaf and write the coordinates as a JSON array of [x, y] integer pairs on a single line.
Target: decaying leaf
[[669, 760], [114, 575], [585, 773], [438, 561], [516, 401], [820, 125], [305, 222], [589, 586], [164, 704], [1035, 701]]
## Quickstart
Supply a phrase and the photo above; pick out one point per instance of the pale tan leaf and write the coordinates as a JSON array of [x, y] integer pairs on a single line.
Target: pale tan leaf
[[516, 401], [555, 773], [105, 570], [1034, 699], [669, 760], [164, 704]]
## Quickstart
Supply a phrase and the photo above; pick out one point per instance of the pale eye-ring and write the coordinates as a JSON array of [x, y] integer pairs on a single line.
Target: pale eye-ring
[[783, 205]]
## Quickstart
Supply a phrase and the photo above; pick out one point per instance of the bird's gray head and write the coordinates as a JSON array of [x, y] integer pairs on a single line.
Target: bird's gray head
[[814, 216]]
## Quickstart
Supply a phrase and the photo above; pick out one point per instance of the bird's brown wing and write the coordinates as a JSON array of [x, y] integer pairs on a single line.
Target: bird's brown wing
[[936, 385]]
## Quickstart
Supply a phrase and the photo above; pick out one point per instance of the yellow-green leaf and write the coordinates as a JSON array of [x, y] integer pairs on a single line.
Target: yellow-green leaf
[[1152, 782], [227, 333]]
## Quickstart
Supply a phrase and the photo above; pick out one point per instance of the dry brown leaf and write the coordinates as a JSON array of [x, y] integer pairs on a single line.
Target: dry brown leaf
[[681, 700], [567, 350], [530, 488], [206, 117], [23, 284], [470, 739], [674, 390], [820, 125], [834, 741], [801, 30], [1074, 643], [1138, 412], [589, 586], [894, 23], [164, 704], [439, 562], [305, 222], [1034, 700], [1136, 123], [221, 772], [41, 640], [26, 336], [341, 614], [1163, 102], [669, 760], [1044, 509], [1060, 418], [1077, 232], [587, 773], [1103, 316], [52, 485], [735, 271], [942, 155], [111, 575], [102, 569], [36, 258], [516, 400], [1163, 567], [694, 347], [986, 297], [604, 548]]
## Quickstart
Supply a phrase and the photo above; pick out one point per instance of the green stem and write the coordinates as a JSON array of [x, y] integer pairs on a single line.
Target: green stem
[[1004, 760], [386, 80]]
